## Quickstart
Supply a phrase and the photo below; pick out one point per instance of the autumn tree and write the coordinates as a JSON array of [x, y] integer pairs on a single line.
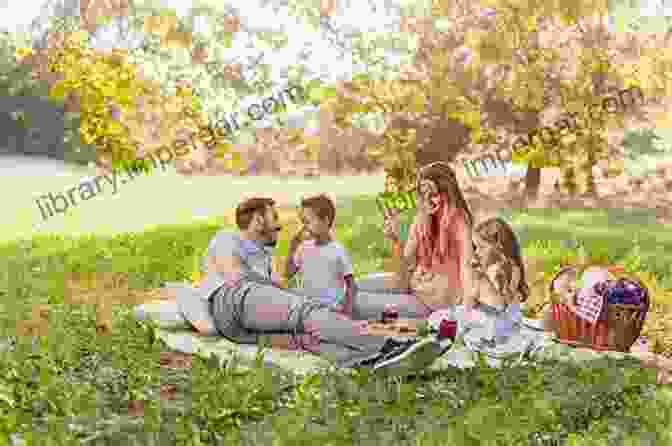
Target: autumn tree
[[498, 70]]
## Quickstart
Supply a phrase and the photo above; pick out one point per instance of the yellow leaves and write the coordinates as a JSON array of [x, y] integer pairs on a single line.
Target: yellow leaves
[[441, 8], [230, 159], [78, 37], [471, 118], [160, 25], [107, 89], [59, 90], [440, 59], [662, 119], [115, 128], [196, 277], [177, 39], [23, 52], [531, 23], [418, 102], [490, 51]]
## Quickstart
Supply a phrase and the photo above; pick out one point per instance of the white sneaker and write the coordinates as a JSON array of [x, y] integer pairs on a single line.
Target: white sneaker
[[410, 360]]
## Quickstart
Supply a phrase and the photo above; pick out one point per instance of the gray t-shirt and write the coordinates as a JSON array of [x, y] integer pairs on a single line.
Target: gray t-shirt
[[256, 267], [256, 260]]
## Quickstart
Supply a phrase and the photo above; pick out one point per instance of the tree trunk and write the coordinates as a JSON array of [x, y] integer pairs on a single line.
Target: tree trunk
[[532, 182]]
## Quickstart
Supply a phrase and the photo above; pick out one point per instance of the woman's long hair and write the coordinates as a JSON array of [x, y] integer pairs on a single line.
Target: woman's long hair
[[499, 233], [440, 241]]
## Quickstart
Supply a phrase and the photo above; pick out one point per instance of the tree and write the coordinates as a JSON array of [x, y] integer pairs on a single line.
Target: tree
[[554, 60], [218, 83]]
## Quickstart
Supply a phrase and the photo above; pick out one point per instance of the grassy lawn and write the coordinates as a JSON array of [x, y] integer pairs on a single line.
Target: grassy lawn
[[75, 386], [148, 201]]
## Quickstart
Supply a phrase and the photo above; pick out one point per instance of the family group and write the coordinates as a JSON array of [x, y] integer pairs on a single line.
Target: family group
[[451, 268]]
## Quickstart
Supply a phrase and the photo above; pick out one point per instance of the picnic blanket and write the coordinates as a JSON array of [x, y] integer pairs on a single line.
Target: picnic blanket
[[537, 345]]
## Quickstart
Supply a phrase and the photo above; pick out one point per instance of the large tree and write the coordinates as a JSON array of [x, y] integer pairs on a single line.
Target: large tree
[[501, 70], [173, 52]]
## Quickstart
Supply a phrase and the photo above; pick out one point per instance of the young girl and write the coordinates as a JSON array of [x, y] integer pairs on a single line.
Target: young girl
[[325, 264], [498, 267], [498, 275]]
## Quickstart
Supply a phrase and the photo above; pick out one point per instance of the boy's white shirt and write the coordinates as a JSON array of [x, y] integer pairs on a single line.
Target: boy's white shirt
[[323, 267]]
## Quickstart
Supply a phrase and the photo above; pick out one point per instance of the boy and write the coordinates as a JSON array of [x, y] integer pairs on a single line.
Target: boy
[[324, 262]]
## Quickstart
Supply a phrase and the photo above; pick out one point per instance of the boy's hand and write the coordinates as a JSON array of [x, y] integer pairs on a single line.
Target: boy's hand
[[298, 238]]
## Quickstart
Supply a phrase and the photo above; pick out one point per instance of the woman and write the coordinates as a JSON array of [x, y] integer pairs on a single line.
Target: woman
[[436, 260]]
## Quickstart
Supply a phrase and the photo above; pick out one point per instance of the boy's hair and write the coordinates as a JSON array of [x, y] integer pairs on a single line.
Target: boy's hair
[[246, 210], [322, 205], [499, 233]]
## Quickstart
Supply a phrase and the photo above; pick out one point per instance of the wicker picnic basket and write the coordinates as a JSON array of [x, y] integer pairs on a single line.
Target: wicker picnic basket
[[617, 328]]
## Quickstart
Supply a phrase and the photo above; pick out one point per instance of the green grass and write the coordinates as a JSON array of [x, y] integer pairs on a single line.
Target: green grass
[[78, 379], [150, 201]]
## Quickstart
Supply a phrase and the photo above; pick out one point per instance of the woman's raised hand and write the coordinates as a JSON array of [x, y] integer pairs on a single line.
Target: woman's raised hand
[[391, 225]]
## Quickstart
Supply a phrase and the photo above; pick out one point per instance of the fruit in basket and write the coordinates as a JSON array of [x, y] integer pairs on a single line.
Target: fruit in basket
[[622, 291]]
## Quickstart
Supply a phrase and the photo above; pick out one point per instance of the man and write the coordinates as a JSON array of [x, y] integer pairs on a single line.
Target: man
[[239, 300]]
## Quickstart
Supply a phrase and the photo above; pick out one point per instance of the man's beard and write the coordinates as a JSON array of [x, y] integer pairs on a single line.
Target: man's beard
[[270, 238]]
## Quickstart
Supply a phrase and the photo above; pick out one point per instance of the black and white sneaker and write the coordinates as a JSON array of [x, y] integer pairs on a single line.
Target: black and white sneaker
[[391, 347], [409, 358]]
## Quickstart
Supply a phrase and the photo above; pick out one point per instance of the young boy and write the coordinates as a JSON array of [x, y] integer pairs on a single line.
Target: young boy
[[324, 262]]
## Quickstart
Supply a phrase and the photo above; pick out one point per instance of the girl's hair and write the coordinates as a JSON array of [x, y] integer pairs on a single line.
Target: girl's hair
[[440, 242], [444, 177], [499, 233]]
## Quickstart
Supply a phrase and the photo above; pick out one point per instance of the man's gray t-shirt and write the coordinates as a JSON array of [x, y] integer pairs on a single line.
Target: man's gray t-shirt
[[256, 267], [256, 260]]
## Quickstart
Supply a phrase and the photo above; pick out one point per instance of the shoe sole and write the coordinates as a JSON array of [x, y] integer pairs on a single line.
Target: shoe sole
[[416, 358]]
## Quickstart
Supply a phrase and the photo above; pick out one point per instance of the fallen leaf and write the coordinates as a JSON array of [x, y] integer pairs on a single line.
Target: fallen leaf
[[167, 391], [136, 408], [175, 360]]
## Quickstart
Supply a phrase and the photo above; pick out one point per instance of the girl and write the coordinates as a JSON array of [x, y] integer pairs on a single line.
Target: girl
[[499, 277], [498, 267]]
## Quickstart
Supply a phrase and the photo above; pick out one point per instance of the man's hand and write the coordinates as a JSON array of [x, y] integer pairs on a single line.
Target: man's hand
[[227, 266], [298, 238], [294, 245]]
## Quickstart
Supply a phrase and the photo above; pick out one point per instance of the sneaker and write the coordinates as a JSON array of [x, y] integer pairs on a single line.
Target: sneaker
[[409, 359], [392, 346]]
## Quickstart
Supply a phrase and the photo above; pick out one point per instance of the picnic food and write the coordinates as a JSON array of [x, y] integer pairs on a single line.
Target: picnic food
[[609, 313], [622, 291], [390, 313]]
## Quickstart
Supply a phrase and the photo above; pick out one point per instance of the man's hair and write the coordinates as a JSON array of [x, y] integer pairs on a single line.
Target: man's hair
[[246, 210], [322, 206]]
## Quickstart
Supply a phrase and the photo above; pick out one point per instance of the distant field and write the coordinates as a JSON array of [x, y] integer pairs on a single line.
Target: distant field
[[160, 198], [146, 201]]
